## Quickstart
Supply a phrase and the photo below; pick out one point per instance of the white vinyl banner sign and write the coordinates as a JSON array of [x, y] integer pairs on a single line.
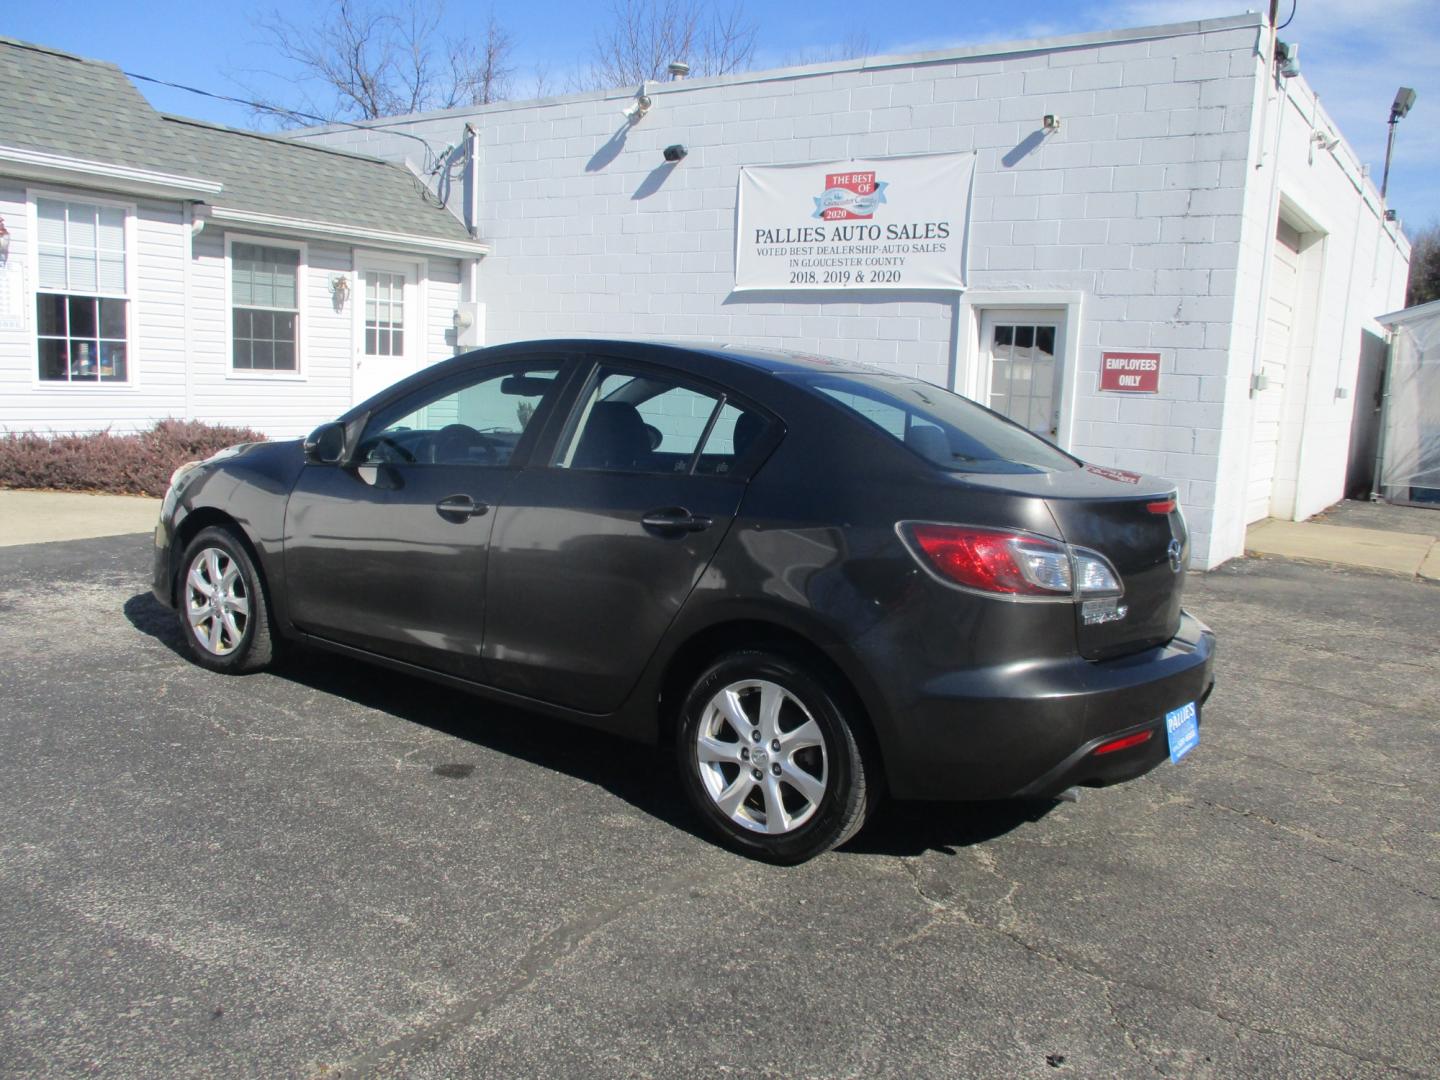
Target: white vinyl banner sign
[[896, 223]]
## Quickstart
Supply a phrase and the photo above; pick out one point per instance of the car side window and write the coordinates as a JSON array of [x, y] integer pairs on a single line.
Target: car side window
[[630, 422], [472, 422]]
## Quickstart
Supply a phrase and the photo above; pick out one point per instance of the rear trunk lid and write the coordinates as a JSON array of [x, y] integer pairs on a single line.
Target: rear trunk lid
[[1136, 523]]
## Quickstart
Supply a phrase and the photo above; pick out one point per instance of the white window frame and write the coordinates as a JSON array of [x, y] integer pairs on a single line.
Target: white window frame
[[234, 374], [130, 296], [972, 374]]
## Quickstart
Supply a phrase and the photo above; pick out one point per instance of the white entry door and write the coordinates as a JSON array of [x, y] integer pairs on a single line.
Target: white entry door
[[1268, 403], [388, 336], [1023, 350]]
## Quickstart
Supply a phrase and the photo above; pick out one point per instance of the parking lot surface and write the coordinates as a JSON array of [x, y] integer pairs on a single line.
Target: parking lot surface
[[338, 871]]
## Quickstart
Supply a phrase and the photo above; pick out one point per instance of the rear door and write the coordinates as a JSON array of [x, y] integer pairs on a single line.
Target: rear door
[[595, 551]]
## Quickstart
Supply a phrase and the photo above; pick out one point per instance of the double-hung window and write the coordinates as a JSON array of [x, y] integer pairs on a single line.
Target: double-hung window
[[81, 301], [265, 307]]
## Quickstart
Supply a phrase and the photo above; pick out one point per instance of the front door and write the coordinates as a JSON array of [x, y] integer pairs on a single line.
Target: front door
[[1023, 350], [388, 337], [389, 553], [594, 555]]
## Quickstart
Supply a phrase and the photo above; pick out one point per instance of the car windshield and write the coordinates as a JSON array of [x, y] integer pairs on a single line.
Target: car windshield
[[944, 428]]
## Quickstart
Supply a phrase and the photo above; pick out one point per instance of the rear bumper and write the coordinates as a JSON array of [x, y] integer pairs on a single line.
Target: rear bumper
[[1029, 730]]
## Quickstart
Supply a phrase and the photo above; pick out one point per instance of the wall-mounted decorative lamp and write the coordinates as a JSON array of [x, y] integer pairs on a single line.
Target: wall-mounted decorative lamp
[[340, 290], [4, 242], [674, 153], [1051, 123]]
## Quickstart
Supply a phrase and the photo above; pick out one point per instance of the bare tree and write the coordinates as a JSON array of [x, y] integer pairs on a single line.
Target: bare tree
[[855, 46], [642, 38], [362, 60], [1424, 283]]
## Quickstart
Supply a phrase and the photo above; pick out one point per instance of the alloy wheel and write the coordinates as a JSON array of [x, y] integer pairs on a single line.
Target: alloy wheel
[[217, 601], [762, 757]]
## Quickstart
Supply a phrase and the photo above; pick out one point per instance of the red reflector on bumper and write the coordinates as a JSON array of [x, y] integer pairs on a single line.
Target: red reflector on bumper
[[1123, 743]]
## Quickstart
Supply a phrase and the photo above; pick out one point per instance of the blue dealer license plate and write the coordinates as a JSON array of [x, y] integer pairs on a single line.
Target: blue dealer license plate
[[1182, 728]]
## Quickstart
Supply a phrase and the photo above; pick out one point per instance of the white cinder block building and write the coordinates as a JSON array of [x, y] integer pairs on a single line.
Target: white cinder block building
[[1177, 273]]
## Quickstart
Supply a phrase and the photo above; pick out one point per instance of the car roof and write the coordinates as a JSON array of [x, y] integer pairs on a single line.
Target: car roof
[[773, 361]]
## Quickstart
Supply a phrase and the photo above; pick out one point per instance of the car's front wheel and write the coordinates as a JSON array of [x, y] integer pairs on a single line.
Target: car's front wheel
[[770, 757], [223, 614]]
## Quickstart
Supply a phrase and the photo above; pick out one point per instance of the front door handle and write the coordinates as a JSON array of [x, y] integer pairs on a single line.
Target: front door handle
[[460, 506], [676, 519]]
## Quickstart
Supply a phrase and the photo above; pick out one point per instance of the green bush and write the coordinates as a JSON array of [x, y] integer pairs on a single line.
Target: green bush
[[138, 464]]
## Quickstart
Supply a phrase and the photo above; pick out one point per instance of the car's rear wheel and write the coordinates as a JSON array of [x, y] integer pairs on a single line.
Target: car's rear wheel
[[224, 617], [770, 757]]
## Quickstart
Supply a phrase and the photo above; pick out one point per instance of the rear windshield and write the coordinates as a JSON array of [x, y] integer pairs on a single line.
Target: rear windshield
[[945, 428]]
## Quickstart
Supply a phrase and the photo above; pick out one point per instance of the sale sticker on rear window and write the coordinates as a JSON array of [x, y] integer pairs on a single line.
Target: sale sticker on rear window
[[1130, 372], [1182, 728]]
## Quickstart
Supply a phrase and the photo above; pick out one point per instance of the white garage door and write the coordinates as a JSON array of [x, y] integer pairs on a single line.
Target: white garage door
[[1269, 403]]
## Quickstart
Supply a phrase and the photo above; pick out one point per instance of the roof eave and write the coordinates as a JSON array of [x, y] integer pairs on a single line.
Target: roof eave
[[352, 234], [28, 164]]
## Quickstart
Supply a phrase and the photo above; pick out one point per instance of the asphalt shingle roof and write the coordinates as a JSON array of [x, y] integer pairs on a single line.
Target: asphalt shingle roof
[[56, 103]]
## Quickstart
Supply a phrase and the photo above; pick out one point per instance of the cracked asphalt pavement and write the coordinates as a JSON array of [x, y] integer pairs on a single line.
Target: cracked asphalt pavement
[[339, 872]]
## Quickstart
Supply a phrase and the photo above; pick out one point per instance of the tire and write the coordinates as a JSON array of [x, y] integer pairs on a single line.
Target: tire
[[231, 634], [807, 756]]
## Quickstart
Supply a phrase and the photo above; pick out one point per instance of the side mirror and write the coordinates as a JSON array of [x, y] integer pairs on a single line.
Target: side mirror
[[326, 445]]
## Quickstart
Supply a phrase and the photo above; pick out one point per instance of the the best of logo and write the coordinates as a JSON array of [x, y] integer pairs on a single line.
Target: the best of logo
[[849, 196]]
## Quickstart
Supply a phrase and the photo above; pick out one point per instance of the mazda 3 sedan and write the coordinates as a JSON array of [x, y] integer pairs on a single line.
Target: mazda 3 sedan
[[817, 580]]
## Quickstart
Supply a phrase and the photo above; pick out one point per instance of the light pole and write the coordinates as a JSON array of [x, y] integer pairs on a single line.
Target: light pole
[[1404, 98]]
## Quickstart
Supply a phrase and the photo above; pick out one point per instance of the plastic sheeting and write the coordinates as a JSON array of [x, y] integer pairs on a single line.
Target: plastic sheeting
[[1410, 452]]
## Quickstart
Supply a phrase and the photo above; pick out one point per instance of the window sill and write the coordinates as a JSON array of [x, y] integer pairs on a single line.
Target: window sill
[[266, 376], [80, 384]]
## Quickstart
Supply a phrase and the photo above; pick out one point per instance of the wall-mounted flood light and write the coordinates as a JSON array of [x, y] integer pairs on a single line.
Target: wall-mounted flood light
[[1051, 123], [674, 153], [637, 108]]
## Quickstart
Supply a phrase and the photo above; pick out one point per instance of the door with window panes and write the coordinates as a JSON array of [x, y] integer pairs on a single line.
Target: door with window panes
[[1023, 352], [388, 335]]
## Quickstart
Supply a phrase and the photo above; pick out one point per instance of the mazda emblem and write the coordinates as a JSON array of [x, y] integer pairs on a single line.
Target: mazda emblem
[[1176, 550]]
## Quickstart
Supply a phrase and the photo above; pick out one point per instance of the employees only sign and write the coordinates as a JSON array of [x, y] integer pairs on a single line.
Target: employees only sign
[[1130, 372], [896, 223]]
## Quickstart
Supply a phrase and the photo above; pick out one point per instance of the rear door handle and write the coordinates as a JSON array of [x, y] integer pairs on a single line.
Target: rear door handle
[[676, 519], [460, 506]]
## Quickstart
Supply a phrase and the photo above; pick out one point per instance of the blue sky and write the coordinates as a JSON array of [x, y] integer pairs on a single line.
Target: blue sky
[[1355, 53]]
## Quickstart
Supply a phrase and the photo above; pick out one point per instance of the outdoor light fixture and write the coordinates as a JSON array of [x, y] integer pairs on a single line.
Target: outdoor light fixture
[[639, 107], [4, 243], [1051, 123], [1404, 99], [674, 153], [1324, 141], [340, 290]]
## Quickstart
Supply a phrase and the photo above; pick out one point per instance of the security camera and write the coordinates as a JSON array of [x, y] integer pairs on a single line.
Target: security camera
[[674, 153]]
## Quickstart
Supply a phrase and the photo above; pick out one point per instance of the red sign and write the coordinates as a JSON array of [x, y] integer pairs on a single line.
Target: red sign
[[849, 196], [1130, 372]]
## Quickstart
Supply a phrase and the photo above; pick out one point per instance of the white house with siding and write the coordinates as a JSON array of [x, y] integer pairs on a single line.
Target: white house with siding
[[161, 267]]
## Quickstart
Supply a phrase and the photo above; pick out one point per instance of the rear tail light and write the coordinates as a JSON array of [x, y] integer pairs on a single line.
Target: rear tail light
[[1122, 743], [1010, 563]]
